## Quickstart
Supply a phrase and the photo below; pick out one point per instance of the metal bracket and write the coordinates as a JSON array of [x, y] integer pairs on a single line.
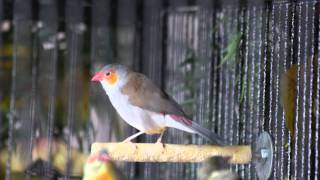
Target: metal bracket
[[263, 156]]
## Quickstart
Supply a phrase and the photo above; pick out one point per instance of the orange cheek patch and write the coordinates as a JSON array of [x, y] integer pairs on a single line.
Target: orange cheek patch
[[112, 79]]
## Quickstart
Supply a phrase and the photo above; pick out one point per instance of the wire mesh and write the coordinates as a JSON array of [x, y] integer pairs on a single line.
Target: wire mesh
[[237, 68]]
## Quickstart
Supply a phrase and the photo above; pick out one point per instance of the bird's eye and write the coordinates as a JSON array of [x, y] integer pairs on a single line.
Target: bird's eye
[[108, 73]]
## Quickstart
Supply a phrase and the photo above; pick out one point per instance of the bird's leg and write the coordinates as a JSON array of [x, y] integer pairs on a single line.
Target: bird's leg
[[159, 140], [128, 140]]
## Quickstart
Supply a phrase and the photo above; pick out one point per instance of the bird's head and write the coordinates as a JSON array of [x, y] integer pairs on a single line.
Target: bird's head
[[111, 76], [101, 156], [98, 166]]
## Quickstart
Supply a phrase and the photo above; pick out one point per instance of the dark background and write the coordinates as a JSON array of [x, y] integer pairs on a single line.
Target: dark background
[[223, 61]]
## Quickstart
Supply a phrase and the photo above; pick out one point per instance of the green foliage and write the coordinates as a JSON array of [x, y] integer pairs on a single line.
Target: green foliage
[[231, 50]]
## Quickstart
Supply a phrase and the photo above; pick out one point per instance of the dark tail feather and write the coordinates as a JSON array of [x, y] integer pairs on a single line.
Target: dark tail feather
[[214, 138]]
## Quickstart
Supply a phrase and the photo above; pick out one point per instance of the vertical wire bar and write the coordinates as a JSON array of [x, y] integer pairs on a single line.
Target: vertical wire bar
[[222, 76], [12, 111], [251, 73], [254, 63], [190, 38], [282, 132], [292, 31], [170, 46], [215, 76], [33, 105], [210, 53], [244, 80], [215, 68], [195, 38], [1, 52], [292, 36], [73, 20], [304, 72], [188, 44], [317, 104], [227, 115], [239, 135], [71, 100], [245, 90], [232, 88], [52, 99], [259, 85], [48, 56], [277, 61], [285, 134], [250, 51], [180, 31], [166, 44], [228, 81], [253, 91], [265, 67], [175, 50], [289, 56], [220, 71], [224, 36], [199, 85], [204, 48], [258, 13], [271, 89], [270, 126], [182, 55], [214, 71], [226, 75], [202, 68], [22, 22], [298, 143], [172, 53], [311, 78], [237, 82]]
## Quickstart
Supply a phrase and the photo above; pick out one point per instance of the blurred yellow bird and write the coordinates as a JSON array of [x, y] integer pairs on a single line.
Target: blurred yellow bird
[[100, 167], [288, 94]]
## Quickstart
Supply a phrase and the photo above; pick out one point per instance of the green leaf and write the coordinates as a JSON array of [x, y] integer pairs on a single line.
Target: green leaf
[[243, 89], [231, 50]]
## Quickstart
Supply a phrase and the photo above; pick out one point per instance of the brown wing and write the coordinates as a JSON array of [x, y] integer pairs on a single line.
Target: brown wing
[[145, 94]]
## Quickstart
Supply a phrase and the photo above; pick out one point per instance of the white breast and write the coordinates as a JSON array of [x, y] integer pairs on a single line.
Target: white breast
[[143, 120]]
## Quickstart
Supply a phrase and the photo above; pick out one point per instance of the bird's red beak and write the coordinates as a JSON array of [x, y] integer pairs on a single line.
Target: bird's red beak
[[98, 76], [104, 157]]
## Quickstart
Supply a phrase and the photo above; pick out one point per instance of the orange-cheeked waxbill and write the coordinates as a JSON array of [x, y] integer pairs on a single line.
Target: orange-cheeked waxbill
[[99, 166], [145, 106]]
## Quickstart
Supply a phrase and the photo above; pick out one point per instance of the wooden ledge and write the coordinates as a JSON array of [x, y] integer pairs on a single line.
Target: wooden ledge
[[150, 152]]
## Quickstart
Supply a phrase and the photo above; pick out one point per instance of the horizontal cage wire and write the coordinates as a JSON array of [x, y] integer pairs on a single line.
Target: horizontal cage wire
[[237, 68]]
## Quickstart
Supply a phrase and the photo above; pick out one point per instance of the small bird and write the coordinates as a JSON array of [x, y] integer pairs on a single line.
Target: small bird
[[288, 94], [145, 106], [100, 167], [216, 168]]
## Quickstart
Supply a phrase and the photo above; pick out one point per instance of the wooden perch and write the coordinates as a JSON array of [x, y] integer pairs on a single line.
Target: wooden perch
[[145, 152]]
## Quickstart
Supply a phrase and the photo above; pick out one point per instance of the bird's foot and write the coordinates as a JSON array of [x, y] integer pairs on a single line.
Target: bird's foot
[[160, 143], [128, 140]]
